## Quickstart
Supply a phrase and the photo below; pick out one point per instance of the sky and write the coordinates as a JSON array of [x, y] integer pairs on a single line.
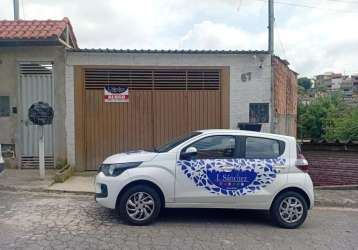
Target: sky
[[315, 36]]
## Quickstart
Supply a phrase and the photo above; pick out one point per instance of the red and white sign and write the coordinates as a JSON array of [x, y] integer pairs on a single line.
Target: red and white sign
[[116, 94]]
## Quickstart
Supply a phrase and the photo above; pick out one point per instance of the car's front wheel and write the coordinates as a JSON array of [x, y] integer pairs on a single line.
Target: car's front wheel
[[289, 210], [139, 205]]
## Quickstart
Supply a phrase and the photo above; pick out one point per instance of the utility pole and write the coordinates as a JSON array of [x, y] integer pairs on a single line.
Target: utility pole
[[16, 9], [271, 21]]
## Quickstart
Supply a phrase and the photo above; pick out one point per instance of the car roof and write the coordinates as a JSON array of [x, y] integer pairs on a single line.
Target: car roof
[[244, 132]]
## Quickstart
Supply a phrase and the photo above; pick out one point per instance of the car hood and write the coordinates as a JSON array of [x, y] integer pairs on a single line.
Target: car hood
[[131, 156]]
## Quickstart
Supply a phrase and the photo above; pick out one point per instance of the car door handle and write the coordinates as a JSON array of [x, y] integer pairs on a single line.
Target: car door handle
[[280, 166]]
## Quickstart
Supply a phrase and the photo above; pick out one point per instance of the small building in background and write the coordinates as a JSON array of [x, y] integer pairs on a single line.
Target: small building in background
[[329, 81], [347, 85]]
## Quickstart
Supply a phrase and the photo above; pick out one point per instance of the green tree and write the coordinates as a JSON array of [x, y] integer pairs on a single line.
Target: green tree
[[301, 91], [305, 82], [315, 117], [344, 127]]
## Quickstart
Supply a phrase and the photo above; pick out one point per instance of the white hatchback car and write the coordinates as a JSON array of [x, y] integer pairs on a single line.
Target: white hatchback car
[[233, 169]]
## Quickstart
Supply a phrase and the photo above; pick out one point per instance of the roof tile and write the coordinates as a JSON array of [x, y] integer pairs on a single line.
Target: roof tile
[[34, 29]]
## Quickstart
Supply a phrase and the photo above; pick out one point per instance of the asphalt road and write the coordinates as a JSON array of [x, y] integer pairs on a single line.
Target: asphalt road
[[50, 221]]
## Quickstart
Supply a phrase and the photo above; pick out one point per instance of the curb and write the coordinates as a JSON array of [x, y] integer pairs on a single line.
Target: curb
[[319, 203], [345, 187], [69, 192], [44, 190]]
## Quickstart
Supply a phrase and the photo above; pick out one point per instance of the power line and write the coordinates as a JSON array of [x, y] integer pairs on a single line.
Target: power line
[[306, 6], [344, 1], [309, 6], [280, 41]]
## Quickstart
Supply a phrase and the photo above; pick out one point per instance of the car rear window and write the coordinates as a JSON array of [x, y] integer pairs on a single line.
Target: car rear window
[[263, 148]]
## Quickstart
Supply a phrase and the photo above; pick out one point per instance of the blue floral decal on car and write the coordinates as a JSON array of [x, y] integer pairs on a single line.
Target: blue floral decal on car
[[234, 177]]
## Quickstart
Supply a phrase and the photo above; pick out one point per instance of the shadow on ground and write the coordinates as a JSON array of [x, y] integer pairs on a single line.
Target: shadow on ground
[[212, 216]]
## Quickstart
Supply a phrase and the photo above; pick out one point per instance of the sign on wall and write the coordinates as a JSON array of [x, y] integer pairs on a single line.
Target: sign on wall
[[41, 113], [116, 94]]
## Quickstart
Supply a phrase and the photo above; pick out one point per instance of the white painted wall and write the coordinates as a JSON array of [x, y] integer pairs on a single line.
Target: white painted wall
[[241, 93], [70, 114]]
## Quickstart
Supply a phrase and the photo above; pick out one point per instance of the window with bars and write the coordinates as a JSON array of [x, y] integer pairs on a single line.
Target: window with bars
[[154, 79], [259, 113], [36, 68]]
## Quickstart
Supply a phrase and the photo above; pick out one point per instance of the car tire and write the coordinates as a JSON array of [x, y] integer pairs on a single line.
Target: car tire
[[289, 210], [139, 205]]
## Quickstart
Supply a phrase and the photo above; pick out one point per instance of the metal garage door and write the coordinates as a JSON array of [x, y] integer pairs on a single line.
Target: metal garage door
[[36, 84], [163, 104]]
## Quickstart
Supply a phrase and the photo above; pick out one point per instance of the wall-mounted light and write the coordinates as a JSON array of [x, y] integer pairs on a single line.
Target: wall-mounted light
[[259, 59]]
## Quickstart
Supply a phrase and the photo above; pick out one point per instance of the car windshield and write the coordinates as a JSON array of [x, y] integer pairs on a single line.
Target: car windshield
[[173, 143]]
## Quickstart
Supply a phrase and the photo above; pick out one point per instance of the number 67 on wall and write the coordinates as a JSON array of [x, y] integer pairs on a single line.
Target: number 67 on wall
[[245, 77]]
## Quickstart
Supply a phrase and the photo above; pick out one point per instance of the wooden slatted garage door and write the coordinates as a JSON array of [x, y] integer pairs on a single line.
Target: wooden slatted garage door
[[163, 104]]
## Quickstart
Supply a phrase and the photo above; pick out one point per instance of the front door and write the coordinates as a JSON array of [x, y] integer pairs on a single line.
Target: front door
[[205, 177], [36, 84]]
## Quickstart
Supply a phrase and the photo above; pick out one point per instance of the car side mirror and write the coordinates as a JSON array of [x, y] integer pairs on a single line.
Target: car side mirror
[[191, 151], [188, 153]]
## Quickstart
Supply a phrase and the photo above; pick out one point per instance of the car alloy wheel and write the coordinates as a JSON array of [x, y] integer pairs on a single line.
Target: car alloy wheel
[[291, 209], [140, 206]]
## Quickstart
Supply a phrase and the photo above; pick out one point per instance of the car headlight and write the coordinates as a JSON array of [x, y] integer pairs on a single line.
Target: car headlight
[[117, 169]]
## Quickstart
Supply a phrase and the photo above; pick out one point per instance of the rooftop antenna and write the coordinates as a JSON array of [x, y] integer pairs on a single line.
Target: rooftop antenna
[[271, 21], [16, 9]]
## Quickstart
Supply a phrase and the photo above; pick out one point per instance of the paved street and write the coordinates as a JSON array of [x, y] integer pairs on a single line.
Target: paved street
[[52, 221]]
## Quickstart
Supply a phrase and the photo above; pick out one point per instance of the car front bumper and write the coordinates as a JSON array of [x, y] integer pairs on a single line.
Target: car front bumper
[[108, 188]]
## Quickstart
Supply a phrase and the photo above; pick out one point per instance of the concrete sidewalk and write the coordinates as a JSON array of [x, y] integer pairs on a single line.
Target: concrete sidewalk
[[26, 179], [29, 180], [336, 198], [75, 184], [83, 183]]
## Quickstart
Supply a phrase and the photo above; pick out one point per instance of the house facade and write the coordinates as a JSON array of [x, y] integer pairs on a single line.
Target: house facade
[[167, 93], [171, 93]]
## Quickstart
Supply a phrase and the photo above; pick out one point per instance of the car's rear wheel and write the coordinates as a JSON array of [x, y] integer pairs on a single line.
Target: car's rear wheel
[[289, 210], [139, 205]]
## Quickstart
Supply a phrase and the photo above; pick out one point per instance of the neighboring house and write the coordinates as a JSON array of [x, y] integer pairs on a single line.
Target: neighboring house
[[337, 82], [171, 92], [347, 87], [32, 68], [329, 81], [355, 86]]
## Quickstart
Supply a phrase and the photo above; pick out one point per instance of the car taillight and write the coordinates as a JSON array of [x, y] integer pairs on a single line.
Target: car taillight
[[302, 163]]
